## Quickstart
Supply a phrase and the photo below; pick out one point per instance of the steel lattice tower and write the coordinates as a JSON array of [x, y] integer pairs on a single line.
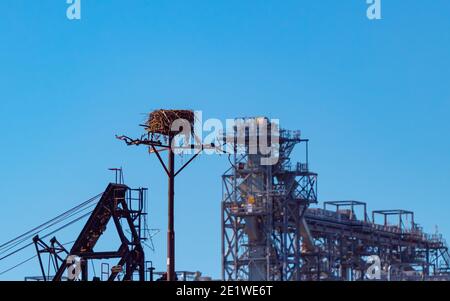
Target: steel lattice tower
[[264, 232], [269, 231]]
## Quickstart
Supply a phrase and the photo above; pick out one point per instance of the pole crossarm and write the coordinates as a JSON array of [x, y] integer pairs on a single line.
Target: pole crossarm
[[169, 168], [153, 144]]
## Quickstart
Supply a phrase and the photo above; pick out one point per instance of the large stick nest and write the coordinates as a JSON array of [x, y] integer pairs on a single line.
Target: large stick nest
[[160, 121]]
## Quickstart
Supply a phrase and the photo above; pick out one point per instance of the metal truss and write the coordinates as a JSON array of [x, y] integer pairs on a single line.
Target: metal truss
[[263, 229], [269, 231], [344, 241], [123, 206]]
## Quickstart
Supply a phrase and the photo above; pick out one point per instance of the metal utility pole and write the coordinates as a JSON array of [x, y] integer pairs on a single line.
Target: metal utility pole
[[171, 217], [160, 137], [171, 174]]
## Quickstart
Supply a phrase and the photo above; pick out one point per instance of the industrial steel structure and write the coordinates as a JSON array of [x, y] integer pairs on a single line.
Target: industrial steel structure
[[125, 208], [269, 231], [263, 211], [272, 226], [344, 242]]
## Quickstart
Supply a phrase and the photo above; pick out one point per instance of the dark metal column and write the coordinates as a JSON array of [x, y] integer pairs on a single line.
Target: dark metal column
[[170, 230], [156, 147]]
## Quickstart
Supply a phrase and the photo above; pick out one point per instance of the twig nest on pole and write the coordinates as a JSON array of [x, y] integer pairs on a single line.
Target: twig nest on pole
[[160, 121]]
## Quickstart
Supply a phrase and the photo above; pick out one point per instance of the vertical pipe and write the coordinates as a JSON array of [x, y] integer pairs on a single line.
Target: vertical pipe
[[297, 244], [84, 270], [170, 228], [223, 236], [269, 224], [142, 266], [307, 154], [152, 269], [40, 261], [365, 213]]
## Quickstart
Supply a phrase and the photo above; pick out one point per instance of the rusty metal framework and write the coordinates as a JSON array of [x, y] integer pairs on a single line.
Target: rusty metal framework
[[125, 208]]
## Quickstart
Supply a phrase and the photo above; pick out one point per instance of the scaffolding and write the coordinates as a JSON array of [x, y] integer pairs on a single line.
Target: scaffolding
[[263, 228], [344, 241], [271, 233]]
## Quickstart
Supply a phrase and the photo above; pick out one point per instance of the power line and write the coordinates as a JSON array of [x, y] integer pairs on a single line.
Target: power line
[[29, 234], [50, 221], [25, 261], [47, 227], [18, 265], [47, 235]]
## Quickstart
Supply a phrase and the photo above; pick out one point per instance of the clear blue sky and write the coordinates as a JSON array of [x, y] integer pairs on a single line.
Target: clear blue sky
[[373, 97]]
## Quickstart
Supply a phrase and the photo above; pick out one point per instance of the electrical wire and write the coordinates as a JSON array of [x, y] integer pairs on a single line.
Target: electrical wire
[[54, 221], [47, 227], [6, 248], [50, 221], [46, 236], [18, 265], [25, 261], [17, 241]]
